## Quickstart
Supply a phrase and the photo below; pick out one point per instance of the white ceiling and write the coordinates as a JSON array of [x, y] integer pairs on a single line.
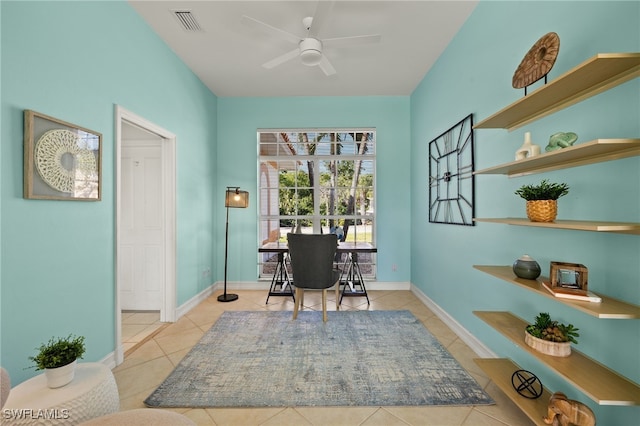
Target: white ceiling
[[227, 55]]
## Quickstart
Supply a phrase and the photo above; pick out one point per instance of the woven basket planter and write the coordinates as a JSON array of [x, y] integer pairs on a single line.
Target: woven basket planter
[[542, 210], [560, 349]]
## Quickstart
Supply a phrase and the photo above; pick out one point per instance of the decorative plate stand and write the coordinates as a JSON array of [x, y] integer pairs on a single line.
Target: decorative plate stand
[[537, 62]]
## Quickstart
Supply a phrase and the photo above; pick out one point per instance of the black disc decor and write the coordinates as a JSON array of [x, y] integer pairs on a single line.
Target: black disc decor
[[527, 384]]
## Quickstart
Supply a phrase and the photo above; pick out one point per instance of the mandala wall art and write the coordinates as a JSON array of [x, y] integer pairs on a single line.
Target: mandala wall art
[[61, 160]]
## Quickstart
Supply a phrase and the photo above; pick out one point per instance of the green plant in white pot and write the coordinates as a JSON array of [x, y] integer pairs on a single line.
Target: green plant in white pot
[[58, 358], [551, 337], [542, 199]]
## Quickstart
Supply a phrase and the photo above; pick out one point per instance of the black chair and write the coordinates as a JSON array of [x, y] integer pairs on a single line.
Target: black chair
[[312, 266]]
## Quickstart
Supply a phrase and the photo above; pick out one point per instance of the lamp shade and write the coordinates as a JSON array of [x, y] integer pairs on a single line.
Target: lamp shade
[[236, 198]]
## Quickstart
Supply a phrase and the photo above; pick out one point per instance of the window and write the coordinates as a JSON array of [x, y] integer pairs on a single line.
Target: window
[[318, 181]]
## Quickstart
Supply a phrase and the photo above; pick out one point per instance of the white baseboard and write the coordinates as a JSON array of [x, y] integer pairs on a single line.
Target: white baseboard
[[194, 301], [264, 285], [472, 341], [110, 360]]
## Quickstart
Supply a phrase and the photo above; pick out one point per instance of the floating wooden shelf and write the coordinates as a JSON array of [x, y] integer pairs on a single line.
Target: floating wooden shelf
[[595, 151], [609, 308], [598, 382], [499, 370], [599, 73], [577, 225]]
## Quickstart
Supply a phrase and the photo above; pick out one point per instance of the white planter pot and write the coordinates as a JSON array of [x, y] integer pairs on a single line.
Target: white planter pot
[[561, 349], [58, 377]]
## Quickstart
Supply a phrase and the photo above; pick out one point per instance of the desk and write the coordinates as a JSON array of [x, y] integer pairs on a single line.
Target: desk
[[350, 277]]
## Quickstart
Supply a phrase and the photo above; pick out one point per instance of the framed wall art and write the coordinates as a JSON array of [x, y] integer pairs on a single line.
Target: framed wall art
[[62, 161], [451, 179]]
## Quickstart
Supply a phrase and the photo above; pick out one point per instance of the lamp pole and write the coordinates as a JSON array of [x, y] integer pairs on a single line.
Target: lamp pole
[[225, 297]]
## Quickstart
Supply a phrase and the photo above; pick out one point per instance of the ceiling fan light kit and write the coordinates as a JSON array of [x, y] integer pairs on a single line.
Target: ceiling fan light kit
[[310, 51]]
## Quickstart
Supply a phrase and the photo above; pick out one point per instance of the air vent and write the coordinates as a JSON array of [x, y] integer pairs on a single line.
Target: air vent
[[187, 20]]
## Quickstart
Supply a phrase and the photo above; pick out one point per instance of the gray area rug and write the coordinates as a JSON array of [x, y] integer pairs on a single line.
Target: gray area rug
[[357, 358]]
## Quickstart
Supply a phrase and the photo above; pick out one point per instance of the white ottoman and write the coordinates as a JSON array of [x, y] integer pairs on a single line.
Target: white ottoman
[[92, 393]]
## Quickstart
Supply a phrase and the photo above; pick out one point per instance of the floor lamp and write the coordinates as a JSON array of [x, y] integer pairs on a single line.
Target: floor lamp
[[234, 198]]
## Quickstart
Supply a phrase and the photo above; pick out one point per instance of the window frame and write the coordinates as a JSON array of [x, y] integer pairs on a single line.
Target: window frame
[[269, 169]]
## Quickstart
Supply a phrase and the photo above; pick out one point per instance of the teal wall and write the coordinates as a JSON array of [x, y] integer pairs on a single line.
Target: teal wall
[[474, 76], [57, 268], [239, 118], [68, 60]]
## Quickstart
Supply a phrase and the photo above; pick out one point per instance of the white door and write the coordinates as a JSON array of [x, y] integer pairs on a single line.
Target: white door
[[141, 244]]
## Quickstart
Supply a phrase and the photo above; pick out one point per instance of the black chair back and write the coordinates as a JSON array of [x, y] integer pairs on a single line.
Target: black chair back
[[312, 260]]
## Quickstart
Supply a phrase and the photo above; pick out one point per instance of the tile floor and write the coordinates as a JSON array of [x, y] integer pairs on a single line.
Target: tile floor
[[148, 365], [137, 327]]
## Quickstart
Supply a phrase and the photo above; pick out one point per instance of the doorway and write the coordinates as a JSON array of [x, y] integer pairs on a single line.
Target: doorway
[[145, 221]]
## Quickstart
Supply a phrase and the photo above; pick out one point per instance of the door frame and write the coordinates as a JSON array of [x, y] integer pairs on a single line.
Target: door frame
[[168, 149]]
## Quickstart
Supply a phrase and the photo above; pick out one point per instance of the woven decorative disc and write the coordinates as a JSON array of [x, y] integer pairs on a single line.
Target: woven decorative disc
[[49, 152], [537, 62]]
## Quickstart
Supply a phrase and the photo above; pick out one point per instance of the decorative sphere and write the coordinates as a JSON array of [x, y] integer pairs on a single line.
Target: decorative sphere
[[527, 268]]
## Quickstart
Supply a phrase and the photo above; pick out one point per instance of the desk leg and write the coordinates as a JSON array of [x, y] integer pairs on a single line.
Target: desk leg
[[281, 279], [352, 279]]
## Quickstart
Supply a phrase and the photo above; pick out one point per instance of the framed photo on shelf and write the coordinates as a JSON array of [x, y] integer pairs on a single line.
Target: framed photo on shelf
[[62, 161], [568, 276]]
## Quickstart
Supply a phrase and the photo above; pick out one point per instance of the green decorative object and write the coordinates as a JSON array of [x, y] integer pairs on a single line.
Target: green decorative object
[[561, 140], [554, 331]]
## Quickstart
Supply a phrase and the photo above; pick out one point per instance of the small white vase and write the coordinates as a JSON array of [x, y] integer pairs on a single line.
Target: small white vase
[[58, 377], [527, 149]]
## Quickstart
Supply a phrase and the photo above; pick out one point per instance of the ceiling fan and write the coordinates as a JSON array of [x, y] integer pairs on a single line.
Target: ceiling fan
[[309, 47]]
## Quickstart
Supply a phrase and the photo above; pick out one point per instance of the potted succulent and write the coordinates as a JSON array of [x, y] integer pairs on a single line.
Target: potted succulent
[[58, 358], [542, 199], [551, 337]]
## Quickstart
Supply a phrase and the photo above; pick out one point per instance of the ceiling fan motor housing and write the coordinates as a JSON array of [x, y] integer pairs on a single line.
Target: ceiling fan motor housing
[[310, 51]]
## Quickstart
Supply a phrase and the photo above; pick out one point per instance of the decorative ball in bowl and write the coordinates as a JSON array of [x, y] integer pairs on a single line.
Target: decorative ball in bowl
[[526, 267]]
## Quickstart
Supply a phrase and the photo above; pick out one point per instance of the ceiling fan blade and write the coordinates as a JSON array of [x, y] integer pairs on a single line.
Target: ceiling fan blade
[[323, 10], [351, 41], [277, 32], [282, 59], [326, 66]]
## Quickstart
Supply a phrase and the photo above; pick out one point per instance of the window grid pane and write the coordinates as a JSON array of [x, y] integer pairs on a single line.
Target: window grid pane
[[317, 180]]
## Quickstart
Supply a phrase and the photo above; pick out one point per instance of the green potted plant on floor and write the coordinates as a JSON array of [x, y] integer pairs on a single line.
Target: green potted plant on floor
[[551, 337], [58, 358], [542, 199]]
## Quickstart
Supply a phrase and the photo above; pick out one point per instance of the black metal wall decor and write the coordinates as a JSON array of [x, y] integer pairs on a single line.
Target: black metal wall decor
[[527, 384], [451, 180]]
